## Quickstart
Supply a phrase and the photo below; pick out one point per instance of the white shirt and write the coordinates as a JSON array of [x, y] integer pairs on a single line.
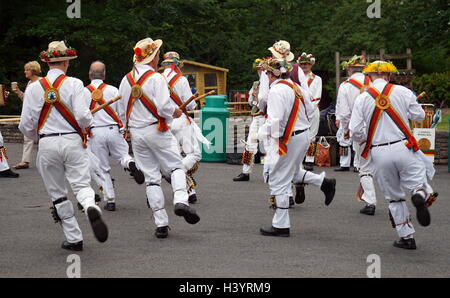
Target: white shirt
[[101, 118], [71, 94], [181, 88], [346, 98], [315, 87], [155, 88], [263, 94], [279, 107], [402, 100]]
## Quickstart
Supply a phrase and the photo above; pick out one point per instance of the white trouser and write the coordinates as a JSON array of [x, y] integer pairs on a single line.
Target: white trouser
[[397, 167], [27, 149], [345, 159], [4, 162], [252, 142], [285, 171], [185, 135], [357, 157], [154, 152], [59, 158], [108, 141], [313, 131], [365, 176]]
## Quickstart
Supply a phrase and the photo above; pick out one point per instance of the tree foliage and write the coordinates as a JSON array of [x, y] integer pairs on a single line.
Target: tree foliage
[[226, 33]]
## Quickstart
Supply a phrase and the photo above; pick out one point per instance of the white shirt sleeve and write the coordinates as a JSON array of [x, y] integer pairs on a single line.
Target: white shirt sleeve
[[263, 94], [80, 108], [340, 103], [123, 102], [317, 90], [31, 111], [275, 111], [415, 110], [357, 126]]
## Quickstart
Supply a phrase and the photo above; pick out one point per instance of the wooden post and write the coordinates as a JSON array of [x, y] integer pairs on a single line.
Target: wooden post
[[409, 59], [338, 70], [382, 53]]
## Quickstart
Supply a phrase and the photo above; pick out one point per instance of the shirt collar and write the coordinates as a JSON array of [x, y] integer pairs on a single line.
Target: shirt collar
[[275, 82], [379, 81], [96, 82], [55, 72], [357, 74]]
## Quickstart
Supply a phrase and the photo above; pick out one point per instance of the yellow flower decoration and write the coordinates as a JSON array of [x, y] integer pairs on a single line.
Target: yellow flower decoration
[[380, 67]]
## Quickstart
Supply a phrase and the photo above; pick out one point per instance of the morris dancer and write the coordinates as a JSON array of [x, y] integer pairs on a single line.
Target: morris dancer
[[380, 119], [251, 148], [349, 90], [149, 112], [287, 143], [306, 62], [106, 138], [184, 128], [55, 112]]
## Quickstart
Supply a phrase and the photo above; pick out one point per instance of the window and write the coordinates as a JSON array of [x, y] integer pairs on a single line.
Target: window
[[210, 80]]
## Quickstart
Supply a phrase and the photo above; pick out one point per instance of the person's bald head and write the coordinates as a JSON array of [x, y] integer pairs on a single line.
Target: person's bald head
[[97, 71]]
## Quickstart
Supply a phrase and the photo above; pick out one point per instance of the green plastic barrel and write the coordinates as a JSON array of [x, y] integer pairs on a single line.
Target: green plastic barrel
[[214, 124]]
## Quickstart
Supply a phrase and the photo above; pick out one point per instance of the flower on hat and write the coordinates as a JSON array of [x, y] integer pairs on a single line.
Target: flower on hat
[[258, 63], [354, 61], [48, 55], [141, 54], [306, 58], [381, 67], [276, 66]]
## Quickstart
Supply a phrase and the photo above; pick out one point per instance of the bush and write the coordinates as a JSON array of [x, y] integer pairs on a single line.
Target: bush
[[437, 87]]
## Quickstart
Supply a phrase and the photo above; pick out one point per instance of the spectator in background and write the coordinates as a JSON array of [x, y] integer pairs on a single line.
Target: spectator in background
[[32, 72]]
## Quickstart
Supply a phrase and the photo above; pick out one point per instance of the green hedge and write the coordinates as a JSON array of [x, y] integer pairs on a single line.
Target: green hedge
[[437, 87]]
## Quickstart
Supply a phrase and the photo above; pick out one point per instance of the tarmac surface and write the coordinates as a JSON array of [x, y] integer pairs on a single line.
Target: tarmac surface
[[332, 241]]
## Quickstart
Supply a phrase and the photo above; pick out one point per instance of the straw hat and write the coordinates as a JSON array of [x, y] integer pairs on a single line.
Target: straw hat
[[380, 67], [277, 66], [146, 50], [306, 58], [172, 57], [58, 51], [282, 50], [355, 61]]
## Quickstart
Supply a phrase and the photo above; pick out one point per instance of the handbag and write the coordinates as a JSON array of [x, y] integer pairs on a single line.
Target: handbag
[[323, 158]]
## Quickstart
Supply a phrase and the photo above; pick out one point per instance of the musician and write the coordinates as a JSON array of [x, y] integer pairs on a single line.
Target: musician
[[285, 133], [380, 119], [149, 112], [54, 112]]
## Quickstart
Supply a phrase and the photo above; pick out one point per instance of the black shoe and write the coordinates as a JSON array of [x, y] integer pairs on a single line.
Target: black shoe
[[192, 199], [271, 231], [168, 179], [423, 215], [308, 166], [342, 169], [242, 177], [329, 189], [98, 226], [300, 193], [110, 206], [78, 246], [8, 174], [406, 243], [162, 232], [355, 170], [368, 209], [291, 202], [137, 174], [187, 212]]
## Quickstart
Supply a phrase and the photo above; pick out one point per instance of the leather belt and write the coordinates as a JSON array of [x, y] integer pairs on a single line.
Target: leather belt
[[110, 125], [56, 134], [297, 132], [386, 144]]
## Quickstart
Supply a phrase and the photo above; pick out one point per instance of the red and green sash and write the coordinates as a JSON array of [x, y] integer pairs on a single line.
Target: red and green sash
[[175, 96], [162, 125], [108, 109], [360, 85], [383, 105], [284, 140], [59, 105]]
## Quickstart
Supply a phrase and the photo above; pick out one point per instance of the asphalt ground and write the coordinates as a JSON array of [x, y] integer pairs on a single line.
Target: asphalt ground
[[332, 241]]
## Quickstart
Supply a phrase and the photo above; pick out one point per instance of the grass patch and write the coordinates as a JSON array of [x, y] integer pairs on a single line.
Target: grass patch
[[444, 125]]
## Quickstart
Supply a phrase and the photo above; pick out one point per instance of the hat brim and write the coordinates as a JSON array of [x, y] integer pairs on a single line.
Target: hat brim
[[277, 55], [59, 59], [150, 58], [170, 60]]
